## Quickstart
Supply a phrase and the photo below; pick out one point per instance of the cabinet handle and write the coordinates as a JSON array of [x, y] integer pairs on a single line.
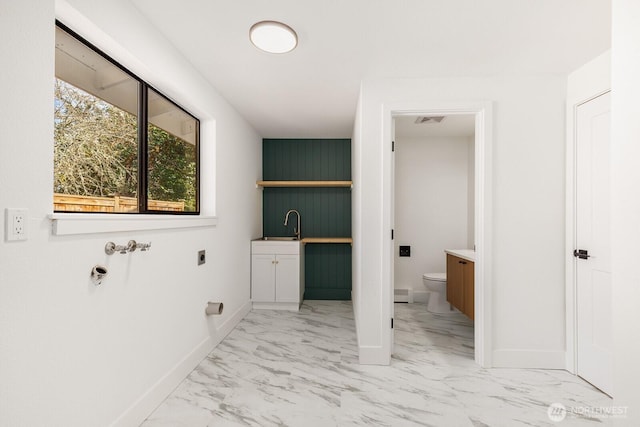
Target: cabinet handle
[[462, 262]]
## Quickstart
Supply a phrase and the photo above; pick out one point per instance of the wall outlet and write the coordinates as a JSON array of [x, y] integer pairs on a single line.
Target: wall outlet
[[202, 257], [16, 221]]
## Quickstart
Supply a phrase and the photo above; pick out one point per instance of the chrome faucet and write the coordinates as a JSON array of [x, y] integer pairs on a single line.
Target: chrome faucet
[[286, 221]]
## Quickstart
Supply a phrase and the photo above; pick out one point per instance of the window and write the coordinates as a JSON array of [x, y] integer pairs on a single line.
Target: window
[[120, 145]]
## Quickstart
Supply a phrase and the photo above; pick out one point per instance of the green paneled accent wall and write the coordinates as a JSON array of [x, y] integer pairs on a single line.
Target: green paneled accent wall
[[328, 271], [325, 212], [306, 159]]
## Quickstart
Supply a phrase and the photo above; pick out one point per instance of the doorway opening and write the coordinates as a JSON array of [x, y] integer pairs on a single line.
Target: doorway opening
[[477, 235], [433, 193]]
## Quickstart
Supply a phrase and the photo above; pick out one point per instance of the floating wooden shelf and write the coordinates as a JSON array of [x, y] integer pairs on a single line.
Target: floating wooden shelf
[[304, 183], [327, 240]]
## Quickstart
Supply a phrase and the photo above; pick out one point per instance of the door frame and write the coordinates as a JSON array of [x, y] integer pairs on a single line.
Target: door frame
[[483, 112], [571, 236]]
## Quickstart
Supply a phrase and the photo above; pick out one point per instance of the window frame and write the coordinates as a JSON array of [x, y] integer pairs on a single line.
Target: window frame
[[143, 142]]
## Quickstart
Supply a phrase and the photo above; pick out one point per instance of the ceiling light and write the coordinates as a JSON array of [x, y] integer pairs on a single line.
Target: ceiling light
[[273, 37]]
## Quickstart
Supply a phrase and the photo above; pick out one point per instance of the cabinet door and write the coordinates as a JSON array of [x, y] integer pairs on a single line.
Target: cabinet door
[[263, 278], [468, 289], [287, 278], [454, 282]]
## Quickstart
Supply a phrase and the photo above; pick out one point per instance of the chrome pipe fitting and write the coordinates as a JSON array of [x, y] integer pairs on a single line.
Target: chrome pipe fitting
[[111, 248]]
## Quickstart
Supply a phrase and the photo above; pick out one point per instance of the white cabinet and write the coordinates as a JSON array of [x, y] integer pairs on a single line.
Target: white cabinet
[[277, 274]]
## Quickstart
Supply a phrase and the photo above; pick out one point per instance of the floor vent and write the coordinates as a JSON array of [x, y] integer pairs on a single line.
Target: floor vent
[[403, 295]]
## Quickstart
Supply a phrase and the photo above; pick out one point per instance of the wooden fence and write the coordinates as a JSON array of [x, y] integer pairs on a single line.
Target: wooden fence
[[73, 203]]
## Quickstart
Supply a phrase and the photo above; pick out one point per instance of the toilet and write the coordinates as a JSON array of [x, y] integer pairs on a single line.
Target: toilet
[[436, 284]]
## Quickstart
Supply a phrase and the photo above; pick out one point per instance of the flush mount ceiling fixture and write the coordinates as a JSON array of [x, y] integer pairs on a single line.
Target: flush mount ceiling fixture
[[273, 37]]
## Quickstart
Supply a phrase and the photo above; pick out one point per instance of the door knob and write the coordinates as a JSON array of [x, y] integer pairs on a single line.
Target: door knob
[[581, 253]]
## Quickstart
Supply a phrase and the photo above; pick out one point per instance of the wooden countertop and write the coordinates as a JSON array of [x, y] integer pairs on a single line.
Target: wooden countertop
[[327, 240]]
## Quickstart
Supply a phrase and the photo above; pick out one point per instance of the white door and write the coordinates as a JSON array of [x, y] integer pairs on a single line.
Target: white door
[[593, 268], [263, 278], [287, 278]]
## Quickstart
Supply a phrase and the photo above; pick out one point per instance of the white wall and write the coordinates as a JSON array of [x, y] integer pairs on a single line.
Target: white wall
[[626, 206], [72, 354], [431, 205], [356, 214], [528, 211]]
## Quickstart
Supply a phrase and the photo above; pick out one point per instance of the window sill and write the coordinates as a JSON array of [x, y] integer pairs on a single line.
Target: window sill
[[65, 224]]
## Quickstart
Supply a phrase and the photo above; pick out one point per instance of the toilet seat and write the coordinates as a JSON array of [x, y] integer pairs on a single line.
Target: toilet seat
[[435, 277]]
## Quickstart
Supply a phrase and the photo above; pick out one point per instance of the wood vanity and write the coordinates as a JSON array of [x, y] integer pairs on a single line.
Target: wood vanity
[[460, 280]]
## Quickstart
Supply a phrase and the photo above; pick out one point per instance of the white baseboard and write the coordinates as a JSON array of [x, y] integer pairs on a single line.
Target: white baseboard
[[155, 395], [373, 355], [354, 305], [290, 306], [528, 359], [368, 355], [228, 326], [420, 295]]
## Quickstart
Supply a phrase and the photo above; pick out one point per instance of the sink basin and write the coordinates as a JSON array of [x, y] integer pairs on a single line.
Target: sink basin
[[282, 239]]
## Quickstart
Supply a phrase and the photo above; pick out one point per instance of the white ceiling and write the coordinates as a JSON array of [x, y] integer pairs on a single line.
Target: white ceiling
[[312, 91], [461, 125]]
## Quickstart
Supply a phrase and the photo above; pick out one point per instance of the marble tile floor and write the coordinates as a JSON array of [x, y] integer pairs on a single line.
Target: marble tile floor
[[280, 368]]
